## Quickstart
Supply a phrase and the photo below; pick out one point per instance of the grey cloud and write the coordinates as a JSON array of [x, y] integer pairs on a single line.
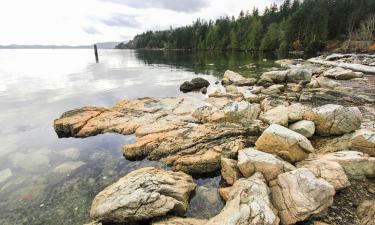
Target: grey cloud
[[174, 5], [121, 20], [91, 30]]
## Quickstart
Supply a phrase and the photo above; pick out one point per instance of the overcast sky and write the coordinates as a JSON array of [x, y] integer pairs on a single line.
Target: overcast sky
[[82, 22]]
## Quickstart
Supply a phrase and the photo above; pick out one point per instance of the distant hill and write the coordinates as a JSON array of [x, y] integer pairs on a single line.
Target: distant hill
[[103, 45]]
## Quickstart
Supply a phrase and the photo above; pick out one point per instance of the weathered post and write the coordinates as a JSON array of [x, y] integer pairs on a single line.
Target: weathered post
[[96, 53]]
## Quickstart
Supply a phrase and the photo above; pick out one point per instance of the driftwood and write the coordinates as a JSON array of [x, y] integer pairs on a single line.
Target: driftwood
[[351, 66]]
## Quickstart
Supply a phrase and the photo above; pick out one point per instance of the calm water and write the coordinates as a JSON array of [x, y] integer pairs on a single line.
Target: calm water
[[43, 179]]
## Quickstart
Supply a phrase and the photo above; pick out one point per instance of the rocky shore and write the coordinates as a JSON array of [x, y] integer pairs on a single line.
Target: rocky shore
[[294, 146]]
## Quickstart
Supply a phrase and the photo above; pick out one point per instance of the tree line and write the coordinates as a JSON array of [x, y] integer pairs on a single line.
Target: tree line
[[294, 25]]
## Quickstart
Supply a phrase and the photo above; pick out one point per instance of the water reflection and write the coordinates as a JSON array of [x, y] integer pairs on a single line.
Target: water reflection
[[44, 179]]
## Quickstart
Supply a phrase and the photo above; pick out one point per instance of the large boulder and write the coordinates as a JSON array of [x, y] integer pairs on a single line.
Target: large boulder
[[229, 170], [330, 171], [298, 74], [143, 194], [298, 194], [304, 127], [237, 79], [248, 203], [363, 141], [357, 165], [287, 144], [251, 161], [335, 119], [178, 221], [195, 84], [296, 112], [277, 115], [339, 73], [272, 77]]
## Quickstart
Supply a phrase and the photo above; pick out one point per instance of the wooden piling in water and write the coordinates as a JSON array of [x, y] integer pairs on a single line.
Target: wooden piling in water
[[96, 53]]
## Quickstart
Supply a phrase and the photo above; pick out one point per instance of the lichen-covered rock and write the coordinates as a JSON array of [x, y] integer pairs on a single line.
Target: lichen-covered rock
[[304, 127], [298, 74], [178, 221], [335, 119], [363, 141], [248, 203], [276, 77], [366, 213], [298, 194], [194, 148], [251, 161], [277, 115], [229, 170], [357, 165], [273, 89], [296, 112], [330, 171], [143, 194], [236, 79], [287, 144], [230, 112]]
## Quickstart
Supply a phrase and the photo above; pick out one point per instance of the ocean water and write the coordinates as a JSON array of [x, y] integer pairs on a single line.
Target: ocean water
[[44, 179]]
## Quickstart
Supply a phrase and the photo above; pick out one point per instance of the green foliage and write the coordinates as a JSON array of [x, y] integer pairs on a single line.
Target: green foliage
[[271, 39], [294, 25]]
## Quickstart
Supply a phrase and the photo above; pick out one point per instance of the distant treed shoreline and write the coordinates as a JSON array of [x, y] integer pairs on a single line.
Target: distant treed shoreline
[[310, 25]]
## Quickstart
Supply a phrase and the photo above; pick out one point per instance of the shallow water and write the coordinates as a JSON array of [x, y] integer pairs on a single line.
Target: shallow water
[[44, 179]]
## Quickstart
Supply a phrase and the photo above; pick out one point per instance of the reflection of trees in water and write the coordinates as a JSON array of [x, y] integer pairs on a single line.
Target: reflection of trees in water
[[208, 62]]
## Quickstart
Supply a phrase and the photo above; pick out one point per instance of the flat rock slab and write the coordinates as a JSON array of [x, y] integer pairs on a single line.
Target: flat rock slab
[[143, 194], [249, 202], [299, 194], [177, 131], [285, 143]]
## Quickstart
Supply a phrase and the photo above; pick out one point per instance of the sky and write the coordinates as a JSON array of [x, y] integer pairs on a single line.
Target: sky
[[84, 22]]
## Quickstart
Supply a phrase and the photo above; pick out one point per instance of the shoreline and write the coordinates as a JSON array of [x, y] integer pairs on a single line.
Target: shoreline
[[194, 136]]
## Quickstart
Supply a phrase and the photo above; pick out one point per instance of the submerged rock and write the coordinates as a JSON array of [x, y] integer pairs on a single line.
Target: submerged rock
[[287, 144], [335, 119], [143, 194], [248, 203], [195, 84], [5, 175], [363, 141], [68, 167], [298, 194], [251, 161]]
